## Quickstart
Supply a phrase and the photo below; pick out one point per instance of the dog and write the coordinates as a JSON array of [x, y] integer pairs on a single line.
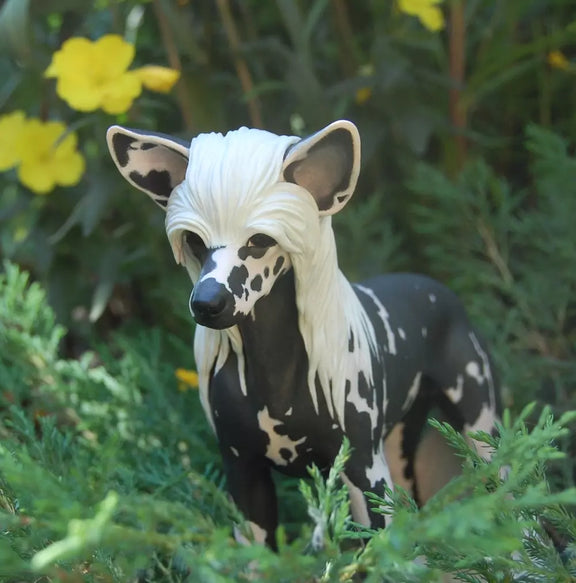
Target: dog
[[291, 357]]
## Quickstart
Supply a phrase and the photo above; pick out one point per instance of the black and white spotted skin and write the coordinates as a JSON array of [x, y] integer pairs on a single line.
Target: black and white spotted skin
[[291, 356]]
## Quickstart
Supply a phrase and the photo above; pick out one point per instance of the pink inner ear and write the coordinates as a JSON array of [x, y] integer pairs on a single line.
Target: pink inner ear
[[321, 174]]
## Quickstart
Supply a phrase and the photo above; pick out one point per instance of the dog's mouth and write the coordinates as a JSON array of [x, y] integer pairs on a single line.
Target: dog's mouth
[[214, 322]]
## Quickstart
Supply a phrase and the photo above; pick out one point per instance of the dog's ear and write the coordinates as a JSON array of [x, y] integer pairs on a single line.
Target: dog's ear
[[151, 162], [327, 165]]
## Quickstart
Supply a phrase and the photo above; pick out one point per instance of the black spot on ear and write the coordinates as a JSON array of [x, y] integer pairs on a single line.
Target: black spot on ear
[[256, 283], [342, 197], [278, 265], [121, 144], [285, 453], [266, 272], [147, 146], [237, 279], [157, 182], [351, 342]]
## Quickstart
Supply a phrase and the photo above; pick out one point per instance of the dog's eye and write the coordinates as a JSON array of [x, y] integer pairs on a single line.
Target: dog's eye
[[261, 240], [195, 244]]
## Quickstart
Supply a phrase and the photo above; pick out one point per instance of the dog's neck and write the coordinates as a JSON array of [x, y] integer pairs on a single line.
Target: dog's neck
[[329, 313], [276, 363], [302, 327]]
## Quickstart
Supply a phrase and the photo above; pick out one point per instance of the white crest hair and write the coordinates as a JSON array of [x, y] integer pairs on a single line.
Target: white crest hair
[[233, 189]]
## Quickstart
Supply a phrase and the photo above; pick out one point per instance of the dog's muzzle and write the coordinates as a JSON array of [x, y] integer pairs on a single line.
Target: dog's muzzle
[[212, 305]]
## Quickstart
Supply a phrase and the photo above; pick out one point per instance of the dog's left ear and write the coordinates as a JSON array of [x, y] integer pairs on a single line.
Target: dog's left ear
[[327, 165], [153, 163]]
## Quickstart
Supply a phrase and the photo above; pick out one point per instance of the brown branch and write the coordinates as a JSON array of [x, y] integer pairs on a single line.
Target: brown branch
[[458, 113], [181, 89], [493, 252], [240, 63], [345, 38]]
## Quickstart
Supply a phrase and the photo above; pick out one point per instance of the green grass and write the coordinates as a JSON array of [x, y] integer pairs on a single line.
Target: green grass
[[110, 473]]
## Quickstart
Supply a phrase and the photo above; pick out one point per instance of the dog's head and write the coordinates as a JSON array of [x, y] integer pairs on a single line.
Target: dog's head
[[239, 205]]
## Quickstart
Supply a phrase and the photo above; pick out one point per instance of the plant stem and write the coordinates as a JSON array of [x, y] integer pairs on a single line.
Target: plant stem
[[240, 63], [181, 89], [458, 112], [345, 37]]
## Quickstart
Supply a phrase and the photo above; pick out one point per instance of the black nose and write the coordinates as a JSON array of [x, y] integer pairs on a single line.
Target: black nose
[[210, 301]]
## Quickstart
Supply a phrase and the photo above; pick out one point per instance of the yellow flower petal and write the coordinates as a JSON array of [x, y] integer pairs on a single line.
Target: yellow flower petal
[[117, 97], [80, 93], [432, 19], [363, 95], [49, 159], [11, 127], [187, 379], [113, 55], [74, 56], [36, 177], [68, 170], [160, 79], [558, 60], [426, 11], [93, 75]]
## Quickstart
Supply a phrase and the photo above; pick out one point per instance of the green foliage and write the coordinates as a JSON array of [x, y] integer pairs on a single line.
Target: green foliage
[[328, 503], [510, 250], [127, 491], [480, 527], [99, 249]]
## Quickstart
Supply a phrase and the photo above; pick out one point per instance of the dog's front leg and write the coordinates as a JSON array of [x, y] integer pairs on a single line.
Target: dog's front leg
[[252, 489], [360, 478]]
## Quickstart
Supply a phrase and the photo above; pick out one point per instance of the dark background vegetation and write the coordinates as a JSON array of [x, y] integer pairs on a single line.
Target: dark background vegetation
[[468, 175]]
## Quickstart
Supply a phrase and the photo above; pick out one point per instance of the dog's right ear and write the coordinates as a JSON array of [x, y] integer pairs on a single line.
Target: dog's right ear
[[151, 162], [327, 165]]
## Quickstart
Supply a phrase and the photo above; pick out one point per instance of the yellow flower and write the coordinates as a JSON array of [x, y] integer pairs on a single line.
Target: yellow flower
[[47, 158], [11, 128], [363, 95], [426, 11], [558, 60], [187, 379], [159, 79], [93, 75]]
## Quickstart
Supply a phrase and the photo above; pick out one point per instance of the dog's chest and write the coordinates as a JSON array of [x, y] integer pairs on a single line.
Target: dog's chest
[[290, 434], [299, 438]]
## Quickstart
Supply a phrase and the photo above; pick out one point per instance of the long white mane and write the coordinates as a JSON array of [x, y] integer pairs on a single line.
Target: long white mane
[[233, 187]]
